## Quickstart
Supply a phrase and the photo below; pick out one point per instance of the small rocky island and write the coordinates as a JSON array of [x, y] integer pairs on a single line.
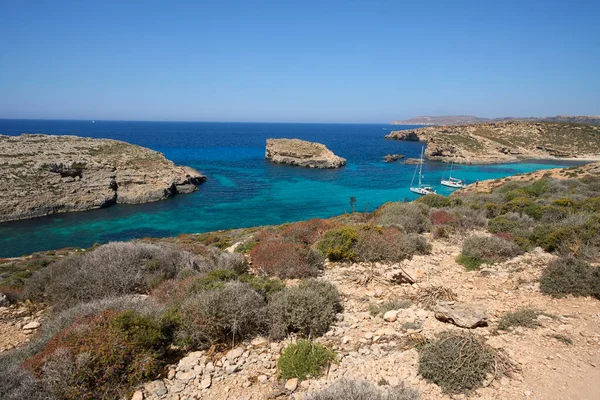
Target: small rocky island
[[302, 153], [49, 174], [501, 142]]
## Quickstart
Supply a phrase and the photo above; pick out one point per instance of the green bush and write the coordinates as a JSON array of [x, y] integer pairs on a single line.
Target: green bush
[[408, 217], [478, 250], [344, 389], [338, 243], [304, 359], [570, 276], [522, 205], [458, 363], [526, 318], [435, 201], [307, 309], [591, 204], [223, 315], [564, 202]]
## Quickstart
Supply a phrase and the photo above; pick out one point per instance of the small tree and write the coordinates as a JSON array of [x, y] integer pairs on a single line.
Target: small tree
[[352, 203]]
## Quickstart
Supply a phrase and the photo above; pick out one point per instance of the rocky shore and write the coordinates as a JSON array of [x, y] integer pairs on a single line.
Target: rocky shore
[[49, 174], [505, 141], [302, 153]]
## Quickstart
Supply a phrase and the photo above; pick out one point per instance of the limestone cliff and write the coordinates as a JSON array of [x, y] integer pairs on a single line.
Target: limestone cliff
[[302, 153], [48, 174], [506, 141]]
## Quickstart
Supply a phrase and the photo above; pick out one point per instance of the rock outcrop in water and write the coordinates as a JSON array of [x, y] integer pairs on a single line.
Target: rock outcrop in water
[[48, 174], [506, 141], [302, 153]]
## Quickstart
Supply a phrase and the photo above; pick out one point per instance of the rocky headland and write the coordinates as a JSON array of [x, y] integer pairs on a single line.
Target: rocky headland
[[506, 141], [48, 174], [469, 119], [302, 153]]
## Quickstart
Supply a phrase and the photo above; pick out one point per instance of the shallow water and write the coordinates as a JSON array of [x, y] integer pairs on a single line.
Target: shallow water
[[243, 189]]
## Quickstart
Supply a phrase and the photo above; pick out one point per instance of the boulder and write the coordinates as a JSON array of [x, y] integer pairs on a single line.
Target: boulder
[[461, 314]]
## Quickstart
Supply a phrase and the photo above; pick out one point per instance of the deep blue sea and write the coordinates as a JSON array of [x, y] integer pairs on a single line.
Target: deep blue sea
[[243, 189]]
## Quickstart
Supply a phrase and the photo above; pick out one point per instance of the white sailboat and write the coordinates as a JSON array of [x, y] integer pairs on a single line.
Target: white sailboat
[[421, 189], [453, 182]]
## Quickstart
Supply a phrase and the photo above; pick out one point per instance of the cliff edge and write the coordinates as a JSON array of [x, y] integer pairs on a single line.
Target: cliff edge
[[302, 153], [506, 141], [49, 174]]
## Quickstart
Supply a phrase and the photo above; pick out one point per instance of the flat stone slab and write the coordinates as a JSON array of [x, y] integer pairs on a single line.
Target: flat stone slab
[[465, 315]]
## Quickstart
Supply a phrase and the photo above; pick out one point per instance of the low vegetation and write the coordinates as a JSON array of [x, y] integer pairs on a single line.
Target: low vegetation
[[304, 359], [571, 276], [345, 389], [526, 318], [460, 363], [478, 250]]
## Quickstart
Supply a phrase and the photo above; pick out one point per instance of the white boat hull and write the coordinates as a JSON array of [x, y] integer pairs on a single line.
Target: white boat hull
[[422, 191], [452, 184]]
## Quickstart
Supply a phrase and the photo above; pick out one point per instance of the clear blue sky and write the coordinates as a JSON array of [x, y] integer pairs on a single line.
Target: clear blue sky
[[320, 61]]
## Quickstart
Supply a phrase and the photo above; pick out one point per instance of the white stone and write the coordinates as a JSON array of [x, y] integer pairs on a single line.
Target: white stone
[[206, 382], [263, 379], [390, 316], [234, 354], [291, 384], [259, 342], [138, 395], [31, 325]]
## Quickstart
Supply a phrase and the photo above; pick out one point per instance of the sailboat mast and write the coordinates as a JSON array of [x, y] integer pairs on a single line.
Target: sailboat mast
[[421, 166]]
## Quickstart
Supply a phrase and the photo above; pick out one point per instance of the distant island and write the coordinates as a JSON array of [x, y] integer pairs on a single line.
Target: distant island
[[302, 153], [500, 142], [469, 119], [49, 174]]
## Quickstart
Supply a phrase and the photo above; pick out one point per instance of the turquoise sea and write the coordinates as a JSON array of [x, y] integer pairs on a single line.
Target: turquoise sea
[[242, 189]]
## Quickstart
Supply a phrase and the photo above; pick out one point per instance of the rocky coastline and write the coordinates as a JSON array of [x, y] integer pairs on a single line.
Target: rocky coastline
[[505, 141], [49, 174], [302, 153]]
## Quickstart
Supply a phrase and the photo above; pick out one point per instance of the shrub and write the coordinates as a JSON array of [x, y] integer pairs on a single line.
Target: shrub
[[337, 244], [408, 217], [435, 200], [344, 389], [306, 233], [285, 260], [478, 250], [219, 277], [17, 383], [526, 318], [307, 309], [522, 205], [564, 202], [511, 223], [570, 276], [212, 258], [388, 244], [110, 270], [101, 356], [303, 359], [591, 204], [458, 363], [441, 217], [223, 315]]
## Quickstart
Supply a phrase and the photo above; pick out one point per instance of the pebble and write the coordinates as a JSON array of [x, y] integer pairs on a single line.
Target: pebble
[[291, 384]]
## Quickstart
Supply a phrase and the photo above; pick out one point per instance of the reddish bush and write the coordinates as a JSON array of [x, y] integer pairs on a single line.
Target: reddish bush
[[173, 291], [441, 217], [306, 233], [100, 356], [285, 260], [388, 244], [505, 236]]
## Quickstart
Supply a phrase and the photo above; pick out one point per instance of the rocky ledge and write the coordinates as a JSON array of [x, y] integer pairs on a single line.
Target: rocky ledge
[[48, 174], [302, 153], [506, 141]]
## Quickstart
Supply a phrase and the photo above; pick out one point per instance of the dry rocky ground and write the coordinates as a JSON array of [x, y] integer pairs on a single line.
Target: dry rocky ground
[[382, 351]]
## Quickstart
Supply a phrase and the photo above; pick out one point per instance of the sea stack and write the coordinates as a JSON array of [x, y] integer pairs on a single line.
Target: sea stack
[[48, 174], [302, 153]]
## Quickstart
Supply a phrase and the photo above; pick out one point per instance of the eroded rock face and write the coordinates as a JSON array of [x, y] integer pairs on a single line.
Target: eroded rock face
[[48, 174], [302, 153], [505, 141]]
